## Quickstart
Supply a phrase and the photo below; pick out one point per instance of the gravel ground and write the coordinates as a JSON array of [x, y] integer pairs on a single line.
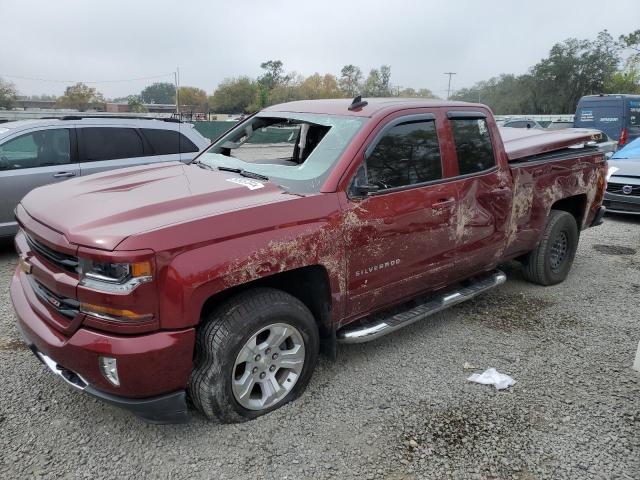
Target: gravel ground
[[397, 408]]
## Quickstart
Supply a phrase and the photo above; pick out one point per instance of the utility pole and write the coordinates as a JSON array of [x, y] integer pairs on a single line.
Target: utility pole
[[451, 74], [176, 76]]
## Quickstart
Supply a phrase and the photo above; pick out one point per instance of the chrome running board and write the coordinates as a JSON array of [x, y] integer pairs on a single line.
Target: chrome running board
[[364, 332]]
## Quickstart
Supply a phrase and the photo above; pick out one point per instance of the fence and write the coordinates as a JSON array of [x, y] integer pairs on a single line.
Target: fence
[[213, 130]]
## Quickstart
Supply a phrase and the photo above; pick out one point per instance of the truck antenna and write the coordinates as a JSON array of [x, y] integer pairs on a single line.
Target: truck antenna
[[358, 103]]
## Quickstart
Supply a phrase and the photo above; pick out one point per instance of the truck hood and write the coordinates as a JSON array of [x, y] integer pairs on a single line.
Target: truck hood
[[102, 210]]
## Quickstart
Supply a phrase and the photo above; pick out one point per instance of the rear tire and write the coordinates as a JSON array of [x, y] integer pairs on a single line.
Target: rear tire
[[551, 261], [253, 354]]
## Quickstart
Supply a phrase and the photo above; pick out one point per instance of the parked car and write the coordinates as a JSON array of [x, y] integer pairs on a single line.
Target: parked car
[[560, 125], [623, 185], [38, 152], [616, 115], [223, 278], [522, 123]]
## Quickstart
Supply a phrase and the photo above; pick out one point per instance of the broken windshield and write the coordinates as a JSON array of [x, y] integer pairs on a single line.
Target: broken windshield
[[295, 150]]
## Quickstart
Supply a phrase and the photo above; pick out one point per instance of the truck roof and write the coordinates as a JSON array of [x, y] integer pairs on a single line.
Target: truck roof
[[340, 106]]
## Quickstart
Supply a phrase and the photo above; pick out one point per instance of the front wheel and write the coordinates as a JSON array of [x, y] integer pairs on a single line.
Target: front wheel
[[253, 354], [551, 261]]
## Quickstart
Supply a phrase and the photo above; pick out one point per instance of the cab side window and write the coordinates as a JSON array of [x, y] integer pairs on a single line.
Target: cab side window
[[37, 149], [473, 145], [408, 154]]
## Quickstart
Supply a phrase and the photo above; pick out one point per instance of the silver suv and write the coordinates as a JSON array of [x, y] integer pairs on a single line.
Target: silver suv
[[38, 152]]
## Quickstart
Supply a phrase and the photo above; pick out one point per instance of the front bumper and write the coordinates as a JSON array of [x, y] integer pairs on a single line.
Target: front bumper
[[154, 369], [622, 203]]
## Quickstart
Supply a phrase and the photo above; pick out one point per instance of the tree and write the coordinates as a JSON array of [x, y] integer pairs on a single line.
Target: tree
[[234, 95], [320, 86], [377, 83], [625, 81], [159, 92], [193, 98], [385, 80], [274, 74], [572, 69], [413, 93], [136, 105], [81, 97], [350, 78], [7, 94]]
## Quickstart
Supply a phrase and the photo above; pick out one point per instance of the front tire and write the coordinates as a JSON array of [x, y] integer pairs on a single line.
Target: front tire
[[253, 354], [551, 261]]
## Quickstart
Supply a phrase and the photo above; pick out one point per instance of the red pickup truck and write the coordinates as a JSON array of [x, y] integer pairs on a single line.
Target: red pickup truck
[[307, 224]]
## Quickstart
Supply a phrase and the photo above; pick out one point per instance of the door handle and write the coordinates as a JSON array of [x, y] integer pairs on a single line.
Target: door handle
[[64, 174], [500, 190]]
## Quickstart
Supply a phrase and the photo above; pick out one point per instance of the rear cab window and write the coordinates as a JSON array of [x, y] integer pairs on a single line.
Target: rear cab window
[[472, 141]]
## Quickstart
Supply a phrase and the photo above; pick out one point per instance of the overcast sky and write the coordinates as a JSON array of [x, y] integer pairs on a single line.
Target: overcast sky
[[212, 40]]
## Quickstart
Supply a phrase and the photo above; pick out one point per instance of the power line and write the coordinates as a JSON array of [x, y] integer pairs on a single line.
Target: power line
[[87, 81]]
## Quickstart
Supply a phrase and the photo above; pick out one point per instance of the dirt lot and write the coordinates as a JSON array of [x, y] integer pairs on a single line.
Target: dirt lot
[[397, 408]]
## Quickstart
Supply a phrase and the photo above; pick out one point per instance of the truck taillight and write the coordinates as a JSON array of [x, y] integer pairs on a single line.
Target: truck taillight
[[623, 137]]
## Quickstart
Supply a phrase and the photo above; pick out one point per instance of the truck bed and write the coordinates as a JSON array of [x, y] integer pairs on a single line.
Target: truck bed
[[520, 143]]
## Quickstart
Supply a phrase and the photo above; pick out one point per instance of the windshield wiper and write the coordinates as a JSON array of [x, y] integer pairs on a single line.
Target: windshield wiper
[[244, 173], [204, 165], [230, 169]]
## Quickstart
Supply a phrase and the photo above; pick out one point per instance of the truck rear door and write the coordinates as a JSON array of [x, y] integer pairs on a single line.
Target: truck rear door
[[483, 191]]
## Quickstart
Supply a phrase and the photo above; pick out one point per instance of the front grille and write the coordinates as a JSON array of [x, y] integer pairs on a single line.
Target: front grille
[[622, 206], [618, 189], [67, 307], [62, 260]]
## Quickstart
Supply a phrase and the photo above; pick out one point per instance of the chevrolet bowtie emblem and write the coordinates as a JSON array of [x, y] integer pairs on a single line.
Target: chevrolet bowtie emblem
[[24, 265]]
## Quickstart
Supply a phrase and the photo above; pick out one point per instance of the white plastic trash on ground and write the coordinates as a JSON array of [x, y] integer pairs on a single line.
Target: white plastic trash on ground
[[492, 377]]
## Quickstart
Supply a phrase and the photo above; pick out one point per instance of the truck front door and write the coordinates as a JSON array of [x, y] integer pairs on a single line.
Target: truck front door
[[397, 222]]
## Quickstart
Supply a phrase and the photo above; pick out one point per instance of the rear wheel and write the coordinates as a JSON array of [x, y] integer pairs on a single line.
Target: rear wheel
[[253, 354], [551, 261]]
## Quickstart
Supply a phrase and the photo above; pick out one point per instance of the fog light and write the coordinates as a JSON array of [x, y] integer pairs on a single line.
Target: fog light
[[109, 368]]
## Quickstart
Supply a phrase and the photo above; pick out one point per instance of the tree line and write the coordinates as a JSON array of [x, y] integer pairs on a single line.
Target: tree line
[[572, 69], [241, 94], [554, 85]]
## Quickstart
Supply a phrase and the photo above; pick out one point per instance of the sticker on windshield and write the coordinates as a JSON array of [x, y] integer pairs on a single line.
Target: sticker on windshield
[[247, 182]]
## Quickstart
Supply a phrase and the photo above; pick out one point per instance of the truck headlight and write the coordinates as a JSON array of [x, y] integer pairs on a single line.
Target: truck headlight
[[114, 277]]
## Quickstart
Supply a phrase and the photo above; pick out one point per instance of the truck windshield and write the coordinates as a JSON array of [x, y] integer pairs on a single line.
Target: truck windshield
[[294, 150]]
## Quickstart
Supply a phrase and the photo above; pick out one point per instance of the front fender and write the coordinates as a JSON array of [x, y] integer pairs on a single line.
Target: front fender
[[194, 276]]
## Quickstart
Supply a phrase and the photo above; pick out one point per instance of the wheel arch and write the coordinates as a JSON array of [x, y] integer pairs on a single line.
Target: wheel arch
[[576, 205], [309, 284]]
